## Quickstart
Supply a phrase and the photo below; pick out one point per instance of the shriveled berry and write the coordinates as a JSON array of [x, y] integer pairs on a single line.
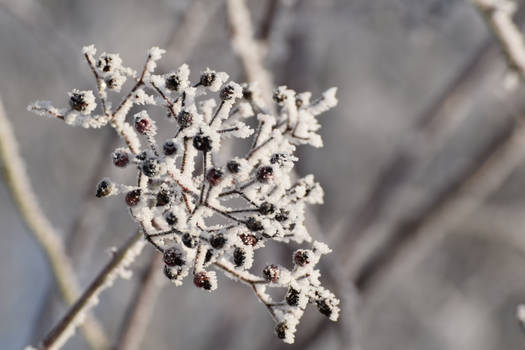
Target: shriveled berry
[[104, 188], [151, 167], [281, 329], [189, 240], [169, 148], [201, 280], [271, 273], [239, 256], [184, 119], [133, 197], [202, 143], [163, 197], [282, 215], [324, 307], [292, 297], [233, 166], [247, 93], [298, 102], [227, 92], [171, 219], [248, 239], [253, 224], [264, 174], [217, 241], [266, 208], [172, 82], [278, 96], [142, 155], [120, 158], [78, 102], [207, 79], [173, 257], [214, 176], [301, 257], [169, 273], [277, 158]]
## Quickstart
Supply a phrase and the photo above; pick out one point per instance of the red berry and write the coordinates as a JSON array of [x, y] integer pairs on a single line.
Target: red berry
[[271, 273], [301, 257], [173, 257], [133, 197], [214, 176], [201, 280], [264, 174], [142, 125], [248, 239], [120, 158]]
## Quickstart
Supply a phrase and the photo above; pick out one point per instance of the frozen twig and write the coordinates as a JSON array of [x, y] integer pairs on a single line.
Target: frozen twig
[[20, 186], [117, 267]]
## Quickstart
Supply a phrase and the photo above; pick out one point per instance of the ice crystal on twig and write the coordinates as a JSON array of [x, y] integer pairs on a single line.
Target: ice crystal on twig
[[203, 214]]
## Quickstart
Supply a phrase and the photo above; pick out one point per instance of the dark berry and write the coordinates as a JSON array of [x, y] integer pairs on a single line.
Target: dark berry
[[278, 96], [201, 280], [277, 158], [227, 92], [133, 197], [202, 143], [78, 102], [281, 329], [209, 255], [120, 158], [184, 119], [271, 273], [172, 82], [247, 94], [163, 197], [292, 226], [233, 166], [248, 239], [301, 258], [214, 176], [298, 102], [171, 219], [142, 125], [111, 83], [266, 208], [142, 155], [282, 215], [104, 63], [169, 273], [217, 241], [173, 257], [189, 240], [239, 256], [264, 174], [151, 167], [169, 147], [104, 188], [207, 79], [292, 297], [253, 225], [324, 307]]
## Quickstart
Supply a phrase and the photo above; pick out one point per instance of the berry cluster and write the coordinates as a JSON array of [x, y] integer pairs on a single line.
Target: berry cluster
[[202, 213]]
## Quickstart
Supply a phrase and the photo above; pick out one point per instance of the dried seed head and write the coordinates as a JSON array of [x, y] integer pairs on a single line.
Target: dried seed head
[[281, 329], [172, 82], [253, 224], [292, 297], [164, 197], [239, 256], [207, 78], [133, 197], [82, 101], [325, 307]]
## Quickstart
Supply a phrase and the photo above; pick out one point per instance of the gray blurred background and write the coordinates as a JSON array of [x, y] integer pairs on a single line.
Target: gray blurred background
[[422, 107]]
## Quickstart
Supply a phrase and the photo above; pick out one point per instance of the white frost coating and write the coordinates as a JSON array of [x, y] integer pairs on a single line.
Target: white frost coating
[[89, 50], [189, 197], [86, 103]]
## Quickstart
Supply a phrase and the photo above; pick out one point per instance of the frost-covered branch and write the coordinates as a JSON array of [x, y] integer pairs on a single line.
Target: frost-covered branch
[[183, 197], [19, 184], [117, 267]]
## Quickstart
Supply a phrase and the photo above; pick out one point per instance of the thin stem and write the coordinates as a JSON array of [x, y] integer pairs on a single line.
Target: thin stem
[[121, 260], [22, 192]]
